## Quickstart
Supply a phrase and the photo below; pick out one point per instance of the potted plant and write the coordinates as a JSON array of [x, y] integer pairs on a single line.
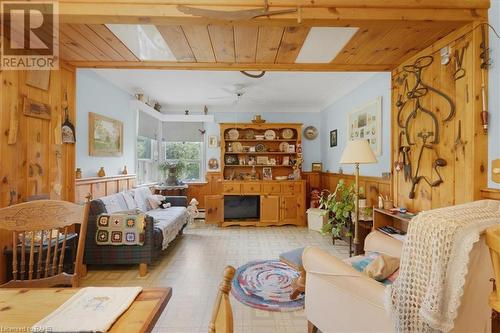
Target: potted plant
[[338, 205], [171, 169]]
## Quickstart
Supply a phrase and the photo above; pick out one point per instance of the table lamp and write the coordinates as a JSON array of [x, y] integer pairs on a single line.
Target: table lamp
[[357, 152]]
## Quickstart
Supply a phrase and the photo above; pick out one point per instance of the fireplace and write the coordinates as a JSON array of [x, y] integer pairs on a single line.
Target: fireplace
[[241, 207]]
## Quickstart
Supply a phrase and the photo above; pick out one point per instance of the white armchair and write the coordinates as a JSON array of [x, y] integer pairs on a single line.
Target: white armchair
[[341, 299]]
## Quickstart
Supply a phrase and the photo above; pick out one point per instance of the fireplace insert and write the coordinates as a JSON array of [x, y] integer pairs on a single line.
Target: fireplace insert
[[241, 207]]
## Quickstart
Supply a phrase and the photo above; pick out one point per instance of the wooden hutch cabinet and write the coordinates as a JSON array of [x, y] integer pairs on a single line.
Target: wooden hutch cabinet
[[256, 162]]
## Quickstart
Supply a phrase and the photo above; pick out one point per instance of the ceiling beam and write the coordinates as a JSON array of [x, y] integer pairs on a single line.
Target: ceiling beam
[[408, 4], [143, 13], [329, 67]]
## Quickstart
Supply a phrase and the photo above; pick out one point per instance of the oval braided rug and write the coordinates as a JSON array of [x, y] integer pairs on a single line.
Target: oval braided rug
[[266, 285]]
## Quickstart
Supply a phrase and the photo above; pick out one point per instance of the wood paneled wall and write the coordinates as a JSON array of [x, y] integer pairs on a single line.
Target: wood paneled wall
[[325, 180], [466, 171], [33, 161], [102, 186]]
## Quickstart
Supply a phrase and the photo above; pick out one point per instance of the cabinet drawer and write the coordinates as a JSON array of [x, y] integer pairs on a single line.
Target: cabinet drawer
[[270, 188], [251, 188], [290, 188], [231, 188]]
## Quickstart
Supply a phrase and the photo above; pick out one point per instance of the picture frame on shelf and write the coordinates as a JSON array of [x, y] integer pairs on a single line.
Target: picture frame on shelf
[[213, 141], [286, 160], [333, 138], [291, 148], [317, 167], [267, 173], [262, 160]]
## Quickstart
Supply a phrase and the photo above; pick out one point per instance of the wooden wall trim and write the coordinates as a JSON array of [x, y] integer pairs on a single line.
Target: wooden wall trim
[[91, 180], [490, 193]]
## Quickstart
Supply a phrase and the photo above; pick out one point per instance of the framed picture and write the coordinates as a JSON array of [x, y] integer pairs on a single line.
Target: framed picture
[[366, 123], [317, 167], [36, 109], [286, 160], [333, 138], [262, 160], [213, 141], [267, 173], [105, 136]]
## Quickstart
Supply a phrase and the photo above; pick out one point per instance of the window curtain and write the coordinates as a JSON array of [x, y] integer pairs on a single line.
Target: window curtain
[[182, 132]]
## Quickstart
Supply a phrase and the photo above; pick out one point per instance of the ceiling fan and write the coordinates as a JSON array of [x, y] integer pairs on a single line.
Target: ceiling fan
[[236, 15], [235, 94]]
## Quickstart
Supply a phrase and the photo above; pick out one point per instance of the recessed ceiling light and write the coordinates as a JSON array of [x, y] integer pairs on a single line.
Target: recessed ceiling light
[[322, 44], [145, 41]]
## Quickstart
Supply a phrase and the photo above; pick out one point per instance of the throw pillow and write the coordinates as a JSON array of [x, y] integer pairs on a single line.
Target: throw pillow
[[382, 267], [155, 201], [129, 200]]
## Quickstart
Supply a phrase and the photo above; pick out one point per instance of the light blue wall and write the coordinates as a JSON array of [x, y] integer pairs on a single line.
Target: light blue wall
[[311, 148], [335, 117], [95, 94], [494, 90]]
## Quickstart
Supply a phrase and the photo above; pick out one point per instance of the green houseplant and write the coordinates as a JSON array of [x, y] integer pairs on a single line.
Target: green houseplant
[[338, 205], [171, 170]]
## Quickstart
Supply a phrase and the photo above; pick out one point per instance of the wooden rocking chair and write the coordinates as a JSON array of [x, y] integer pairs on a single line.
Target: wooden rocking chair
[[38, 227], [222, 315]]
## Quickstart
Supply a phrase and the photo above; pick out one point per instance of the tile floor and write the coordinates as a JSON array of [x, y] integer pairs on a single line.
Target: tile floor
[[193, 267]]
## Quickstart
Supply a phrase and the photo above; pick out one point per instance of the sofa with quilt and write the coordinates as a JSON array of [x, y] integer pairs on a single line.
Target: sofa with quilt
[[162, 225]]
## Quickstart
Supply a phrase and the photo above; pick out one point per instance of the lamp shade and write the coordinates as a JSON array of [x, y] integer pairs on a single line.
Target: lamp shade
[[358, 151]]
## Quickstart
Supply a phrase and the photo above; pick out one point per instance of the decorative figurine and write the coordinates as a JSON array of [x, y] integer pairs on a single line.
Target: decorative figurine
[[101, 172], [78, 174], [125, 171]]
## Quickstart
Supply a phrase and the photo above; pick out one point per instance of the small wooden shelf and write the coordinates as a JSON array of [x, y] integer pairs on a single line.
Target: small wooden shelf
[[257, 166], [255, 140], [260, 153]]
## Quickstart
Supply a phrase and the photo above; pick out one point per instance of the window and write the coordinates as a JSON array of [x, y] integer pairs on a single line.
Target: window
[[144, 148], [147, 160], [190, 157]]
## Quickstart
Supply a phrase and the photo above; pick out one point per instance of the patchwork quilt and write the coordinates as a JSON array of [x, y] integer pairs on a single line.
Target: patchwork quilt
[[120, 229]]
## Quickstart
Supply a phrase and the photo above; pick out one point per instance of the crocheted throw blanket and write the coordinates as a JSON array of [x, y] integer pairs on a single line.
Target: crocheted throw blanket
[[434, 262], [120, 228]]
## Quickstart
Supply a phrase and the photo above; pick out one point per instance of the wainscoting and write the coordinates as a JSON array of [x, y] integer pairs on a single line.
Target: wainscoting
[[102, 186], [373, 185]]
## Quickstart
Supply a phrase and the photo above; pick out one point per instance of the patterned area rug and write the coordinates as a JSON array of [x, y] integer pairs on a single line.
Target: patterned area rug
[[266, 285]]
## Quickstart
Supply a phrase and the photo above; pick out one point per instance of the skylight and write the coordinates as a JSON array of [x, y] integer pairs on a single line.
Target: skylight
[[322, 44], [145, 41]]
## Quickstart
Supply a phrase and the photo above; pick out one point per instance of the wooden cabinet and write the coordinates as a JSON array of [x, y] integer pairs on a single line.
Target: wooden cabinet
[[270, 208], [231, 188], [214, 209], [251, 188], [289, 209], [271, 188]]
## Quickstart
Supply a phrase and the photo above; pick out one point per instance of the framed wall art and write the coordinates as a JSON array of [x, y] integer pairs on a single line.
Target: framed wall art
[[213, 141], [105, 136], [366, 123], [317, 167], [333, 138]]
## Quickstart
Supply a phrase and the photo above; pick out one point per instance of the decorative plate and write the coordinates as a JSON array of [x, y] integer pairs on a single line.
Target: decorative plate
[[249, 134], [260, 148], [270, 135], [284, 147], [287, 134], [237, 147], [310, 132], [234, 134]]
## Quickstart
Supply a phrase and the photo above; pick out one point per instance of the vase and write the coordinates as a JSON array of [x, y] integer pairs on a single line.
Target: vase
[[125, 171], [101, 172], [78, 174]]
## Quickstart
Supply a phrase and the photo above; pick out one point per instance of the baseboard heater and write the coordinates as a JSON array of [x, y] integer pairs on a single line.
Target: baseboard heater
[[241, 207]]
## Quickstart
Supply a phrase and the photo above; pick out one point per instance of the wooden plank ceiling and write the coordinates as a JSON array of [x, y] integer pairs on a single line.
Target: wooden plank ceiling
[[374, 47], [390, 31]]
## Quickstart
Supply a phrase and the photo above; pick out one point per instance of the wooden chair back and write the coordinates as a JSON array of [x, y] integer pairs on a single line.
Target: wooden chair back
[[493, 242], [222, 315], [37, 228]]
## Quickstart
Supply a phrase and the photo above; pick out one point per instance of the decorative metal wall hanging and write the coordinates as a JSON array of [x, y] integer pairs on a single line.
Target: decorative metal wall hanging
[[414, 96]]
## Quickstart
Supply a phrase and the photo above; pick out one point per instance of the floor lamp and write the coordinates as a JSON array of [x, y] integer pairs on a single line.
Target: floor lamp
[[357, 152]]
